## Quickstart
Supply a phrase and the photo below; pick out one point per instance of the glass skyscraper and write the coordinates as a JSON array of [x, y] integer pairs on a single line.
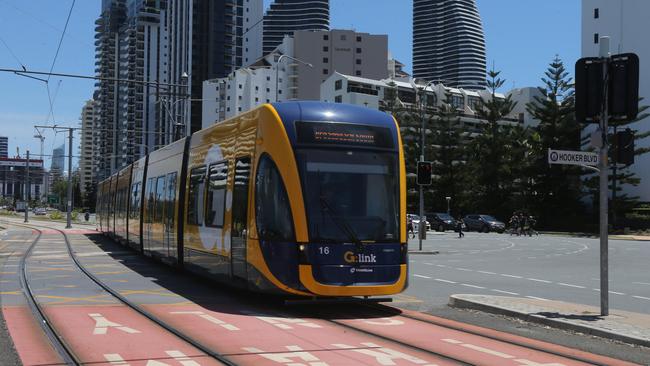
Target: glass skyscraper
[[448, 43], [286, 16]]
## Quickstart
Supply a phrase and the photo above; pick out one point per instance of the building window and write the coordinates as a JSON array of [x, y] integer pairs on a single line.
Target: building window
[[344, 37], [268, 78], [326, 71], [239, 109], [596, 13], [338, 84], [239, 97], [338, 99], [326, 37], [257, 99], [358, 50], [358, 61], [358, 38], [268, 90], [357, 73], [257, 88], [596, 37], [326, 60], [239, 86], [326, 49]]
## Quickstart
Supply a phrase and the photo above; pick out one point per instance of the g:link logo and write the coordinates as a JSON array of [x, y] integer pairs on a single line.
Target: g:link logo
[[350, 257]]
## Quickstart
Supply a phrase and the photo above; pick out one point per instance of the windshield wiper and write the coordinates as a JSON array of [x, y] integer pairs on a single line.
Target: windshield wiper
[[340, 223]]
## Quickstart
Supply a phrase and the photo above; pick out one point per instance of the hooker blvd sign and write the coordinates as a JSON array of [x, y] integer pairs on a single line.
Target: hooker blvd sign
[[572, 157]]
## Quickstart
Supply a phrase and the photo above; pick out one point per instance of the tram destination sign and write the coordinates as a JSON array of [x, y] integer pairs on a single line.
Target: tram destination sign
[[572, 157], [343, 134]]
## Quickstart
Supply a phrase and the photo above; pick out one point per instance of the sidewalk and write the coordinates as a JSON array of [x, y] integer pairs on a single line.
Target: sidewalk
[[595, 236], [633, 328]]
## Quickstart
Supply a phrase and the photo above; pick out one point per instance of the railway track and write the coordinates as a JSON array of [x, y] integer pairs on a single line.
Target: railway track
[[63, 349], [356, 322]]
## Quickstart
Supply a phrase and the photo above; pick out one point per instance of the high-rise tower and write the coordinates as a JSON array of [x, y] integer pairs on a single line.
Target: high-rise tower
[[448, 43], [286, 16]]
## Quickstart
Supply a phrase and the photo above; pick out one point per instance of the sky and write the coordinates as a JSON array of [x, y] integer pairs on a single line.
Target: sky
[[522, 37]]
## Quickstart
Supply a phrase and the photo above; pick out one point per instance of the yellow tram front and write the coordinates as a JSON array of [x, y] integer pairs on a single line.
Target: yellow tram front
[[330, 201]]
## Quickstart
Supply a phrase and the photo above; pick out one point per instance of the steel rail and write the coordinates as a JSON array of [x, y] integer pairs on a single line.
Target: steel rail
[[55, 338], [200, 346]]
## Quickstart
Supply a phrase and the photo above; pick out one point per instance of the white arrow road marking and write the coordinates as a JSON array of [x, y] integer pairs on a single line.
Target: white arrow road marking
[[207, 317], [102, 324]]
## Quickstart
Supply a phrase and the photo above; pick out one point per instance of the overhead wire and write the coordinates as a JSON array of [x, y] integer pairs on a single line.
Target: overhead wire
[[56, 56], [13, 54]]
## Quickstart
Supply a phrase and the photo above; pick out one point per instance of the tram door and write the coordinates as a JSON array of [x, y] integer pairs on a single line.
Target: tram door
[[169, 237], [239, 228]]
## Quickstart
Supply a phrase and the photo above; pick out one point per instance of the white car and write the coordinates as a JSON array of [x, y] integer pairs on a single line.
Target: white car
[[416, 222]]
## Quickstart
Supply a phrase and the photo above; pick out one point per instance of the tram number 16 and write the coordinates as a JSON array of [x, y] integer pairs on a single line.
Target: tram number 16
[[324, 250]]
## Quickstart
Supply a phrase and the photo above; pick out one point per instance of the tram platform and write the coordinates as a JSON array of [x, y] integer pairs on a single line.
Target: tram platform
[[623, 326]]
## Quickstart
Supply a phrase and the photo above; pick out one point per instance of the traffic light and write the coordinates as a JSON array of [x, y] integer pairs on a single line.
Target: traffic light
[[625, 147], [623, 91], [589, 93], [424, 173], [622, 88]]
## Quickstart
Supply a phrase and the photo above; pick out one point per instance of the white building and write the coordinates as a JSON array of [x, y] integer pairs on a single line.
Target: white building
[[340, 88], [626, 23], [321, 53], [241, 91]]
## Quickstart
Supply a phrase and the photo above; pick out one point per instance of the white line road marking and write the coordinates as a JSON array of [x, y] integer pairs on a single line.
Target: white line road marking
[[429, 264], [505, 292], [488, 351], [512, 276], [464, 269], [569, 285], [616, 293], [472, 286], [537, 298], [538, 280], [486, 272], [641, 283], [642, 297], [102, 324], [207, 317], [445, 281], [440, 265], [417, 275], [452, 341]]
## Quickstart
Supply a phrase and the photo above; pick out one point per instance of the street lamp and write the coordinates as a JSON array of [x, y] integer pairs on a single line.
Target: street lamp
[[422, 224], [448, 200], [277, 66]]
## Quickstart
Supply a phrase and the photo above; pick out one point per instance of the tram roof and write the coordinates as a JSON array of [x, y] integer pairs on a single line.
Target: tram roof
[[315, 111]]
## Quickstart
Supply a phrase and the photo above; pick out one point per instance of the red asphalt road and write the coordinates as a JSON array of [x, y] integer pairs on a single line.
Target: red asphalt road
[[115, 335]]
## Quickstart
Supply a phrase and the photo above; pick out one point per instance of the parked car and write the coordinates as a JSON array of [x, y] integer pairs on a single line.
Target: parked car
[[442, 221], [40, 211], [484, 223], [416, 221]]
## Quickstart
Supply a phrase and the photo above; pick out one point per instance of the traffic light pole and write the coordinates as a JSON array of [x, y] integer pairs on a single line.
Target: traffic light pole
[[28, 188], [603, 166]]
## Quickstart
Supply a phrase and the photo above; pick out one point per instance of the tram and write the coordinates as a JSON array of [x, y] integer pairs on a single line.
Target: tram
[[294, 198]]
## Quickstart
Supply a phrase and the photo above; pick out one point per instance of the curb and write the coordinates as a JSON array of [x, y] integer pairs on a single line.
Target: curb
[[424, 252], [461, 303]]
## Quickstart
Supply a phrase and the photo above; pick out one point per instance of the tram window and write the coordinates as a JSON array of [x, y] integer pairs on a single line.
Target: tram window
[[216, 196], [195, 196], [273, 213], [135, 201], [149, 197], [171, 198], [160, 195]]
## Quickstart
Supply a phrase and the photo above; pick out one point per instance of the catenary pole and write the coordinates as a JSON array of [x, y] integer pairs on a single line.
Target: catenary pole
[[604, 197], [27, 188], [69, 215]]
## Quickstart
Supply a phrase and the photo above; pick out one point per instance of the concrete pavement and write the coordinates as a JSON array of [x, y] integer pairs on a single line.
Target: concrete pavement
[[628, 327]]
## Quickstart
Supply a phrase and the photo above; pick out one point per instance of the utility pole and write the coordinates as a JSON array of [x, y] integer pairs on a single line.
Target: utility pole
[[69, 198], [604, 225], [27, 188]]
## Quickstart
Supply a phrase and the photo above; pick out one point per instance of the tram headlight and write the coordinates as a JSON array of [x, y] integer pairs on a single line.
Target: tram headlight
[[302, 254]]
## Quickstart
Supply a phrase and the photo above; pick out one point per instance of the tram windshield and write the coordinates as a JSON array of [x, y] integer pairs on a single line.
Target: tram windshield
[[350, 196]]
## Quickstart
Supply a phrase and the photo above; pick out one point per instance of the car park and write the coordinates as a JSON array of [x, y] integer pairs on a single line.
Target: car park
[[484, 223]]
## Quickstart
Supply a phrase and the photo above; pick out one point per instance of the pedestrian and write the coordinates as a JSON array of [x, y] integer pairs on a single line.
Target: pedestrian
[[87, 216], [459, 227], [409, 227]]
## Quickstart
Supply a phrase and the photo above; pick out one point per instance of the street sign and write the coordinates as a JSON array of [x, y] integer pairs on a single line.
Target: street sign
[[572, 157], [53, 199]]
